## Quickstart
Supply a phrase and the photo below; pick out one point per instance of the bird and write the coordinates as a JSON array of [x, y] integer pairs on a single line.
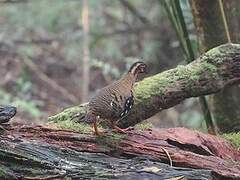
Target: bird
[[113, 102]]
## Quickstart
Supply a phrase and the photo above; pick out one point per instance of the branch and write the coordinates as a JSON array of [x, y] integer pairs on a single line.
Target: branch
[[135, 12], [208, 74], [129, 30], [50, 82]]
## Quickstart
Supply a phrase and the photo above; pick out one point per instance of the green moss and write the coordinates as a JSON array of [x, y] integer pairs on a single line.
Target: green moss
[[223, 49], [143, 126], [214, 51], [153, 85], [182, 72], [157, 83], [196, 71], [234, 138], [87, 129], [210, 68], [74, 126], [68, 113]]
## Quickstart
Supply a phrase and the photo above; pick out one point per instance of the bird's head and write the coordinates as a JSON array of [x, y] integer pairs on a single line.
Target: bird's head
[[137, 68]]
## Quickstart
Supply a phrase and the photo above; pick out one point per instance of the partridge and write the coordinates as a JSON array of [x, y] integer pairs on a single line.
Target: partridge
[[113, 102]]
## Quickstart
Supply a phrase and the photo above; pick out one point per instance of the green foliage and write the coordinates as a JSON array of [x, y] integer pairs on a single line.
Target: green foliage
[[23, 86], [61, 20], [234, 138], [60, 15], [28, 50], [23, 98]]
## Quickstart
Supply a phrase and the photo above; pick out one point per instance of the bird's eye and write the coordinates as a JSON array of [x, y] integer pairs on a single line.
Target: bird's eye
[[142, 68]]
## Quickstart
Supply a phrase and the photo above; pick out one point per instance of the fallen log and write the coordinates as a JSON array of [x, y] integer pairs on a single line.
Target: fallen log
[[208, 74], [35, 152]]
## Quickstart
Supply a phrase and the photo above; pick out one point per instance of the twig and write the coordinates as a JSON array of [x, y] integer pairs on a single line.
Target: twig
[[168, 156], [226, 28], [135, 12]]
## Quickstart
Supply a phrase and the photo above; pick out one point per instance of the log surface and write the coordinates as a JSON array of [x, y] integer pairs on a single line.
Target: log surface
[[42, 151]]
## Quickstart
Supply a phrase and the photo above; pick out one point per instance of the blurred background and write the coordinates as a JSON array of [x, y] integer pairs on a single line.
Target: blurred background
[[51, 49]]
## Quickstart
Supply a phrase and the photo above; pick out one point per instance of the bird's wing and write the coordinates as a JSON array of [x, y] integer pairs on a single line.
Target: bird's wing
[[113, 102], [121, 104]]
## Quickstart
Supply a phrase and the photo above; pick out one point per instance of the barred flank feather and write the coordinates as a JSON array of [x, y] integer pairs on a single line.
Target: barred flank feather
[[90, 118]]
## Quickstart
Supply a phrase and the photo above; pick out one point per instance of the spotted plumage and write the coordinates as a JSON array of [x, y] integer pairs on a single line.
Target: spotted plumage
[[127, 107], [114, 101]]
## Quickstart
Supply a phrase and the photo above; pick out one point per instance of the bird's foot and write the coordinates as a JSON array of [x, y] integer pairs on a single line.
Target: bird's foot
[[96, 130], [123, 131]]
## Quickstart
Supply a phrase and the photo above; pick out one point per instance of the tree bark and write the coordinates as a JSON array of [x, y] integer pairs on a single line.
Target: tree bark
[[210, 73], [211, 32], [42, 152]]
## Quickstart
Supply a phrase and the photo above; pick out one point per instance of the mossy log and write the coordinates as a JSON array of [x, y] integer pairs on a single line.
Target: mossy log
[[208, 74], [45, 152], [211, 32]]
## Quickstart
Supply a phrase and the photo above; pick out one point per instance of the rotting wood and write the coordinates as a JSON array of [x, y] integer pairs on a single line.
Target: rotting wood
[[187, 148]]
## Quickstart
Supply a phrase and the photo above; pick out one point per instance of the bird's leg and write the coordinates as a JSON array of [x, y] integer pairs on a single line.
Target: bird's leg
[[96, 129], [118, 129]]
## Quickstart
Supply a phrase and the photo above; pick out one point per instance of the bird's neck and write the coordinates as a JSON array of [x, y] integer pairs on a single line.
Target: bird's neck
[[129, 78]]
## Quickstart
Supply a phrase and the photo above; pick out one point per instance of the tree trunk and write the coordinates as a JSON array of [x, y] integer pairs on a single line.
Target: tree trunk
[[41, 152], [209, 74], [211, 32]]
